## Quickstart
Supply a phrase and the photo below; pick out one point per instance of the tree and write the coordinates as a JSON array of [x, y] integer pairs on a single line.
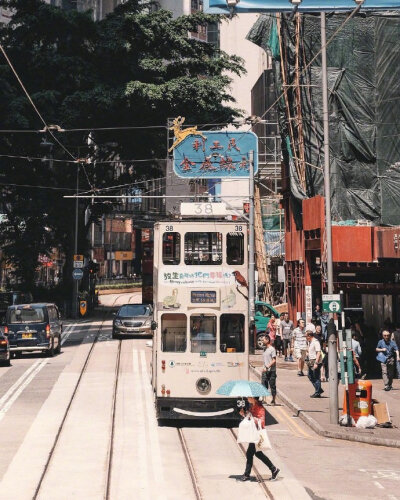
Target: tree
[[135, 68]]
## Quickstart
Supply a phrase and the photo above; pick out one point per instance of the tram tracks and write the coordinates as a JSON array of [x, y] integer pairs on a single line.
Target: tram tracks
[[67, 412], [195, 475]]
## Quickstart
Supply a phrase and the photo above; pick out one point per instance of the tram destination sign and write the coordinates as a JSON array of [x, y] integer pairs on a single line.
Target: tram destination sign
[[203, 297], [219, 154], [254, 6]]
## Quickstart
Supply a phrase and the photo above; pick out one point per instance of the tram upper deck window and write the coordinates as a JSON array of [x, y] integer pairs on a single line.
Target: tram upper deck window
[[203, 333], [232, 332], [235, 248], [173, 332], [203, 249], [171, 252]]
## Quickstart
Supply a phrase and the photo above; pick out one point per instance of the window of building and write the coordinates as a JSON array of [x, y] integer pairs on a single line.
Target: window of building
[[203, 248], [203, 333], [173, 332], [171, 248], [232, 333], [235, 248], [213, 34]]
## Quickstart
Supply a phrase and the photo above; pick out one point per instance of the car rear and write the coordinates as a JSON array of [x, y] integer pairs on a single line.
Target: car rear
[[4, 350], [27, 328]]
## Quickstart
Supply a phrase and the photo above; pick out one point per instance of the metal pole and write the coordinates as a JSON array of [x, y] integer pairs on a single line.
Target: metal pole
[[251, 248], [332, 340], [76, 282]]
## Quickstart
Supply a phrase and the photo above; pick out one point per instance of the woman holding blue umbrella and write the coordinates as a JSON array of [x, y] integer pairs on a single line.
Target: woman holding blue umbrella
[[258, 411]]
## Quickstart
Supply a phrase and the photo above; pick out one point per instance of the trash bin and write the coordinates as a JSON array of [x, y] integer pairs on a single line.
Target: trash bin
[[360, 399]]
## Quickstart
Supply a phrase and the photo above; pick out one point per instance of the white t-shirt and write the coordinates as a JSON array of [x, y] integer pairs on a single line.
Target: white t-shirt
[[314, 348], [310, 327]]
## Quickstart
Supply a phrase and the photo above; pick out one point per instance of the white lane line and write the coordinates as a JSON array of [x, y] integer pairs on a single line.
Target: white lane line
[[378, 485], [153, 434], [15, 386], [16, 394], [143, 479]]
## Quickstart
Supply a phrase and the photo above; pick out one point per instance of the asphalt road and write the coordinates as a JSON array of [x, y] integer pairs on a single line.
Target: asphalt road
[[82, 425]]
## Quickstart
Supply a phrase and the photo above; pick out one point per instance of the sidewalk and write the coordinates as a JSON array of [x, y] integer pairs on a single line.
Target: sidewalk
[[294, 392]]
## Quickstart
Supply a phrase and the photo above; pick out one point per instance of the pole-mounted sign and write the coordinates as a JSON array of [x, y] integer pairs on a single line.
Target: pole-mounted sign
[[253, 6]]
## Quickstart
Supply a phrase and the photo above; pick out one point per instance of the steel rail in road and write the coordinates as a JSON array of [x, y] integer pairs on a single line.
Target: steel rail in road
[[259, 477], [189, 463], [67, 410]]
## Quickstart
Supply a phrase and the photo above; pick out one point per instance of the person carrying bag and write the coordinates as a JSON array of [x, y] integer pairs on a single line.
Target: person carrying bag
[[254, 430]]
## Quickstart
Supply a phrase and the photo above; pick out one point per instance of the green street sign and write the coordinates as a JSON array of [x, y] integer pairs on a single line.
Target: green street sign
[[331, 303]]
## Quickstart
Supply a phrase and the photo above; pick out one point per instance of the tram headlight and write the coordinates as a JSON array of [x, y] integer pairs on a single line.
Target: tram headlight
[[203, 385]]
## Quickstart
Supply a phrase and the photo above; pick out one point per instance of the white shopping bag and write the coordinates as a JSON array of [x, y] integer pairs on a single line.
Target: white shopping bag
[[263, 443], [248, 431]]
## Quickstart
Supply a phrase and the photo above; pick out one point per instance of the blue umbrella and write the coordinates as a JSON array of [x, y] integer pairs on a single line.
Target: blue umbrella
[[243, 388]]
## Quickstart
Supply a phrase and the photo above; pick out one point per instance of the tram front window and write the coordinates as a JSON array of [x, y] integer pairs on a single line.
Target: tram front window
[[232, 332], [235, 249], [203, 249], [173, 332], [171, 248], [203, 333]]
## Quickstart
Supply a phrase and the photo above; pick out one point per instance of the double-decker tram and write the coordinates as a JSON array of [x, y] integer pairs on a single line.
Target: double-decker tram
[[201, 311]]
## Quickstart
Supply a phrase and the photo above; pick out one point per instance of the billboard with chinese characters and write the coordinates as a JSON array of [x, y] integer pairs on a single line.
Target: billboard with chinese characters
[[216, 155], [221, 7]]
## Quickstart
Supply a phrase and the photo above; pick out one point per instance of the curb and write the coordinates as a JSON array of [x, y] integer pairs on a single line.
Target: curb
[[318, 429]]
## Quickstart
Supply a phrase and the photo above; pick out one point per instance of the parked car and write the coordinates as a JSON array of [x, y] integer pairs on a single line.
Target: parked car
[[4, 350], [11, 298], [34, 327], [263, 313], [133, 319]]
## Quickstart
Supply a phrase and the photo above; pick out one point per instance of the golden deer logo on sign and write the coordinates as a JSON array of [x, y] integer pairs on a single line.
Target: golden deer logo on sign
[[180, 134]]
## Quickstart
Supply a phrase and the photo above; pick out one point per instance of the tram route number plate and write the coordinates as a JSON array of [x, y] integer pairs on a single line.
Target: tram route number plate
[[203, 297]]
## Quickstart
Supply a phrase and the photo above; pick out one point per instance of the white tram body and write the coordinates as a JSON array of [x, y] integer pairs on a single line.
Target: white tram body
[[201, 310]]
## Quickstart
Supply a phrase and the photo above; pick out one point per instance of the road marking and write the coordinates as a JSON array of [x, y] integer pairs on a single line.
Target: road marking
[[16, 394], [15, 386], [293, 423], [378, 485]]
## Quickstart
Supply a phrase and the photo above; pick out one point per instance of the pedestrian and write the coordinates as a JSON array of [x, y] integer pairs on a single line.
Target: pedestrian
[[278, 336], [271, 327], [300, 346], [286, 334], [317, 313], [388, 355], [396, 339], [314, 363], [357, 351], [258, 412], [268, 377]]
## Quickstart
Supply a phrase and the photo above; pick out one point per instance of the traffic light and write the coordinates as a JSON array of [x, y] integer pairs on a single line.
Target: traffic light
[[93, 267]]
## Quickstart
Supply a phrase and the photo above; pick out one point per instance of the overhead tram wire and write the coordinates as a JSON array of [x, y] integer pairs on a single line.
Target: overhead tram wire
[[46, 127]]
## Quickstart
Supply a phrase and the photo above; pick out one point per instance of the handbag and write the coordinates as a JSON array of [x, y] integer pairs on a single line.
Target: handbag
[[248, 431], [263, 443]]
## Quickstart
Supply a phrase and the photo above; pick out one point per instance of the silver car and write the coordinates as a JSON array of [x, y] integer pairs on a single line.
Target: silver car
[[133, 319]]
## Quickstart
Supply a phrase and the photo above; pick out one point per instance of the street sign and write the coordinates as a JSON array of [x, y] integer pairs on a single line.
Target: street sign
[[208, 155], [254, 6], [331, 303], [77, 274], [79, 258], [78, 264], [308, 301]]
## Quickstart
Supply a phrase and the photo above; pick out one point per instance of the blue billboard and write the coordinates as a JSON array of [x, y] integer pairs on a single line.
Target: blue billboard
[[209, 155], [221, 7]]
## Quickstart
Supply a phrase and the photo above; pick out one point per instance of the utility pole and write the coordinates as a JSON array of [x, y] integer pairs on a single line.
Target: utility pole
[[251, 248], [332, 339], [76, 282]]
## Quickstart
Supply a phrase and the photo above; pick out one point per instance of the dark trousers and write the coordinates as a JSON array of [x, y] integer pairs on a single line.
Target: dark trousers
[[251, 451], [314, 376], [268, 379], [278, 343]]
